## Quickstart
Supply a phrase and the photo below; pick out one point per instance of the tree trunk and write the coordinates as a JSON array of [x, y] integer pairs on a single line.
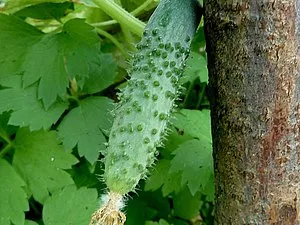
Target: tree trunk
[[253, 66]]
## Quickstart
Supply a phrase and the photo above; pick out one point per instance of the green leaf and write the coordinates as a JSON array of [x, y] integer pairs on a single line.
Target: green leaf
[[82, 176], [56, 58], [161, 222], [70, 206], [102, 74], [12, 196], [176, 138], [16, 37], [84, 126], [186, 205], [41, 161], [194, 160], [151, 223], [46, 10], [196, 68], [45, 61], [195, 123], [6, 130], [160, 177], [29, 222], [209, 190], [27, 109], [15, 5]]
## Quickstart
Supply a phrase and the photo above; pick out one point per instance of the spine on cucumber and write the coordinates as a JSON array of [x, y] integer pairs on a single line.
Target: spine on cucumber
[[147, 102]]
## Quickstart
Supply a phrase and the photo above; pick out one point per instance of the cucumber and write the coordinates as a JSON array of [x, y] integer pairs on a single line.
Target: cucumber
[[146, 104]]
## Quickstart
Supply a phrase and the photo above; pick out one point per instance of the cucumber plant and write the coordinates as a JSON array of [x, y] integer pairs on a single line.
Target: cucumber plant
[[146, 104]]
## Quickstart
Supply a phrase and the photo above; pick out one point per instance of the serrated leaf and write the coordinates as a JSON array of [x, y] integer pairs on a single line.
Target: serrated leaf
[[160, 177], [45, 61], [27, 109], [101, 75], [193, 159], [195, 123], [196, 68], [41, 161], [171, 184], [16, 37], [84, 126], [186, 205], [70, 206], [46, 10], [56, 58], [209, 190], [176, 138], [12, 196]]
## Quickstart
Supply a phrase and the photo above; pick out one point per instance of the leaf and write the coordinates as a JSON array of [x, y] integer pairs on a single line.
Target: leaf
[[151, 223], [56, 58], [15, 5], [12, 196], [101, 75], [16, 37], [41, 161], [171, 184], [209, 190], [186, 205], [84, 126], [29, 222], [6, 130], [161, 222], [27, 109], [82, 176], [176, 138], [160, 177], [194, 160], [70, 206], [46, 10], [196, 68], [195, 123]]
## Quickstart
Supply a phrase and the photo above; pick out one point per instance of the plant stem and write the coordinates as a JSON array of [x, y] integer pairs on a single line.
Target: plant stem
[[135, 12], [141, 8], [6, 149], [4, 136], [113, 40], [127, 34], [118, 13]]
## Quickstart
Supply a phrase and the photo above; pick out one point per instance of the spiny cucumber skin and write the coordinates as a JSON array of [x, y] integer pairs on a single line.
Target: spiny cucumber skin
[[143, 113]]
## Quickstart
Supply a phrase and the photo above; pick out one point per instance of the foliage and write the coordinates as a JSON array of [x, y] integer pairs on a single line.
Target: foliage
[[61, 64]]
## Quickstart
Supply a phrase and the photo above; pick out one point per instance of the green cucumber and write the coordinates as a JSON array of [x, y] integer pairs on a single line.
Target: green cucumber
[[146, 104]]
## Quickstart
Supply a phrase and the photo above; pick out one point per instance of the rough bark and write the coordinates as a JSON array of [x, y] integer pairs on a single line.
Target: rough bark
[[253, 62]]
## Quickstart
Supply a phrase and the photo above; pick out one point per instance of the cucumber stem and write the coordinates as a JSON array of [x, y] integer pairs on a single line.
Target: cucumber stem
[[118, 13]]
